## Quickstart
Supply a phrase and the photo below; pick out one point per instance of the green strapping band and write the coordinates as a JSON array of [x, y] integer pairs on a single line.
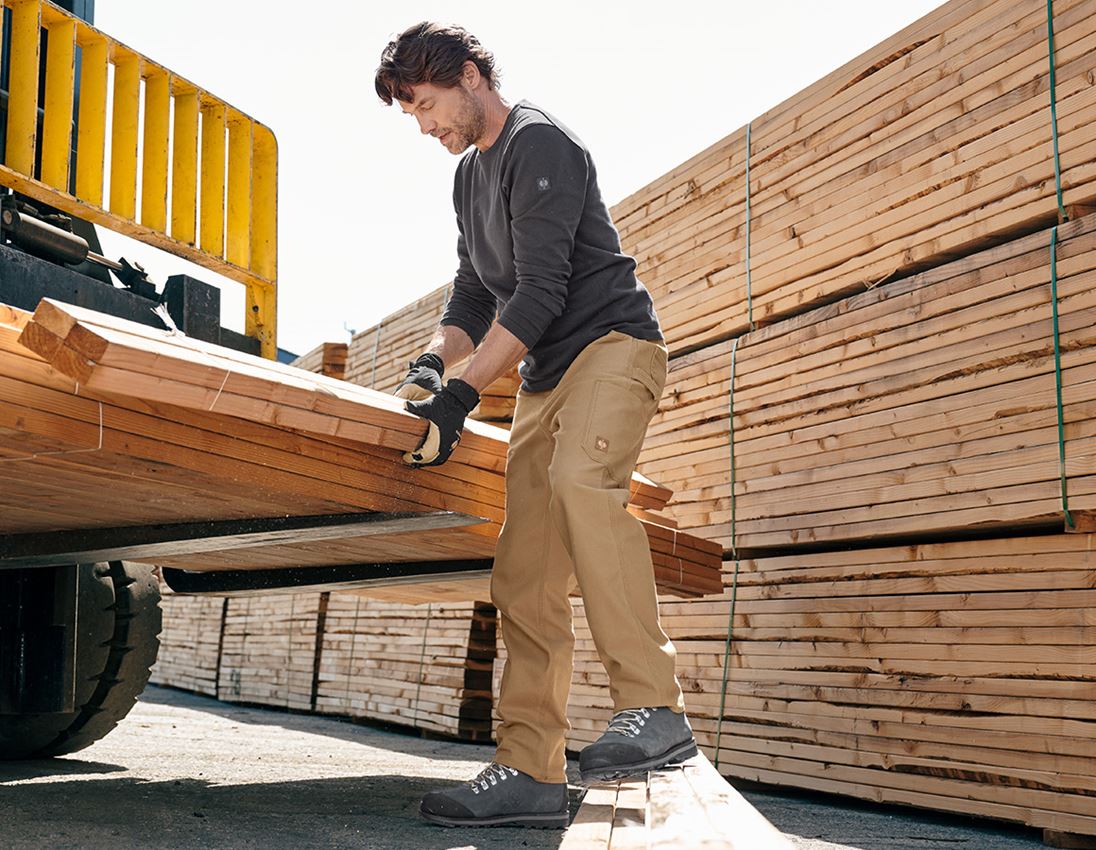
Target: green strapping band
[[422, 659], [1058, 373], [734, 579], [1054, 112], [749, 287]]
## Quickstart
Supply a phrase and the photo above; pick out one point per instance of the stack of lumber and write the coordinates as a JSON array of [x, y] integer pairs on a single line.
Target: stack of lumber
[[378, 356], [234, 436], [894, 230], [921, 149], [957, 676], [426, 666], [327, 358], [162, 463], [268, 655], [190, 643], [920, 407], [687, 806]]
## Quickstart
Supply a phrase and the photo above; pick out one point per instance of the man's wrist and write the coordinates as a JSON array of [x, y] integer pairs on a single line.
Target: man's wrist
[[464, 393], [432, 360]]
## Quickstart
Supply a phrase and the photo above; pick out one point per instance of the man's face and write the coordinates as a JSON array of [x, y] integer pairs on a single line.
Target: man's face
[[453, 116]]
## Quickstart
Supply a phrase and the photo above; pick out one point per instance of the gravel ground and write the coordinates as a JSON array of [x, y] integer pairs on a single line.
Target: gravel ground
[[187, 772]]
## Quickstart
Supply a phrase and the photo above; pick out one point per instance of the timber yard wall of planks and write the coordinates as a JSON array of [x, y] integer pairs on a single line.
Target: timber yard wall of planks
[[910, 621]]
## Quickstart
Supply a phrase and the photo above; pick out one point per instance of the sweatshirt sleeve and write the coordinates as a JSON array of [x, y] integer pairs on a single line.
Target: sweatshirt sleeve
[[471, 306], [546, 180]]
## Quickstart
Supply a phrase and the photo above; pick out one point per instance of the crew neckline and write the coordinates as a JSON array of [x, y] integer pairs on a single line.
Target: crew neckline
[[505, 127]]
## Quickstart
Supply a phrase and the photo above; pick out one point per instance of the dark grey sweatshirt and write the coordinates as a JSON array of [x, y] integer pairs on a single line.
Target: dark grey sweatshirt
[[537, 245]]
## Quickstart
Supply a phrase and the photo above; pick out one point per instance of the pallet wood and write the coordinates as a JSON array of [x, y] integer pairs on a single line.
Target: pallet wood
[[867, 175], [954, 675], [924, 406]]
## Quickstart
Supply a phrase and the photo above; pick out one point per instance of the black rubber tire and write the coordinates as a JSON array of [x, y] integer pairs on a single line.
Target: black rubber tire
[[118, 627]]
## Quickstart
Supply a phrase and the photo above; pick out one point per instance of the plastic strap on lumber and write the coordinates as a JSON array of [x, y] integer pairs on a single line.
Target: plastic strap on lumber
[[1058, 374], [376, 348], [734, 578], [749, 282], [422, 660], [1062, 215]]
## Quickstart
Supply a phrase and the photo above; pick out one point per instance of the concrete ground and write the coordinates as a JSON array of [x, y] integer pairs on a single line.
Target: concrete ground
[[187, 772]]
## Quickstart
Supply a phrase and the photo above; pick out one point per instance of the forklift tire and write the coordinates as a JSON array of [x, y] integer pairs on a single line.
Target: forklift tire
[[118, 627]]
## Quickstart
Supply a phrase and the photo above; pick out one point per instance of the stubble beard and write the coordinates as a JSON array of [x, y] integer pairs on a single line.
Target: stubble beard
[[470, 123]]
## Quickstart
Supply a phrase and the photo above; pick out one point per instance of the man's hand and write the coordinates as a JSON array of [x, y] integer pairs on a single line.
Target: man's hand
[[423, 379], [446, 413]]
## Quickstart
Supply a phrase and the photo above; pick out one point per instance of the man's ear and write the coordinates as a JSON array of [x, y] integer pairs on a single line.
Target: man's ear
[[470, 75]]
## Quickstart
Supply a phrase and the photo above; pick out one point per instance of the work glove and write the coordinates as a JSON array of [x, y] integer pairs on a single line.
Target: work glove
[[446, 413], [423, 378]]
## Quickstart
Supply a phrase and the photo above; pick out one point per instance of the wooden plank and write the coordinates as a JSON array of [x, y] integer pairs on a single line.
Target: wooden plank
[[690, 805]]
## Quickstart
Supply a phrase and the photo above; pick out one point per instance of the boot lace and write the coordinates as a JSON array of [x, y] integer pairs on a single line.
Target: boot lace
[[490, 776], [629, 722]]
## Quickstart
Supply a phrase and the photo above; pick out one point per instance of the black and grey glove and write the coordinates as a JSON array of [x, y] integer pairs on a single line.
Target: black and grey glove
[[423, 378], [446, 413]]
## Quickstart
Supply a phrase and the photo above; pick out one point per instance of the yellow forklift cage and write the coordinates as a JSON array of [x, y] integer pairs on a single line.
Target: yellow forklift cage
[[218, 211]]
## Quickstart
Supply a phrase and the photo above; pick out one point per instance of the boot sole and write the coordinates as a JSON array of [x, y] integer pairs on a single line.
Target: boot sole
[[612, 773], [535, 821]]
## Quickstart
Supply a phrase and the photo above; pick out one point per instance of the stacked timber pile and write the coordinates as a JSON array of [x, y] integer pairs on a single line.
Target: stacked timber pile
[[269, 650], [894, 242], [427, 666], [926, 406], [342, 455], [327, 358], [957, 676], [920, 150], [190, 643], [378, 356]]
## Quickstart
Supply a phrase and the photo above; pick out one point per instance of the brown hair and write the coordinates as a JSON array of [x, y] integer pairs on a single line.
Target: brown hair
[[430, 52]]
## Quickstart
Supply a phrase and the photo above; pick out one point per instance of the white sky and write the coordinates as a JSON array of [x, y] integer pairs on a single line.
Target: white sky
[[366, 222]]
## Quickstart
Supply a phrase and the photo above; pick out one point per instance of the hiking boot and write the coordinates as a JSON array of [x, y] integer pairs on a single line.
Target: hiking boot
[[637, 740], [499, 796]]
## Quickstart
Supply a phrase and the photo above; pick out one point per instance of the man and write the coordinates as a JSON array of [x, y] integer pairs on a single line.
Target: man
[[536, 244]]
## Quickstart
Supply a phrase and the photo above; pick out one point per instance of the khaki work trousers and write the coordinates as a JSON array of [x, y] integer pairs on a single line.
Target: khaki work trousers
[[568, 475]]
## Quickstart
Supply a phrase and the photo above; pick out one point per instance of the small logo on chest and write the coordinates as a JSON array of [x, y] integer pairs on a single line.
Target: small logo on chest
[[601, 444], [543, 184]]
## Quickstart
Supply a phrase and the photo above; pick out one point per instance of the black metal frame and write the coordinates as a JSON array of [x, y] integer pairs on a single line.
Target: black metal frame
[[150, 542], [38, 640], [337, 577]]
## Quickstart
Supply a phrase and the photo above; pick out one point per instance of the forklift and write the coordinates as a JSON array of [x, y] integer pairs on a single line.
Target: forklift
[[77, 639], [193, 176]]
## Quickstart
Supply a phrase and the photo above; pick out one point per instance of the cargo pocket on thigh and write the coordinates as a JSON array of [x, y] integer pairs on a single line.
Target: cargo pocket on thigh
[[615, 427]]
